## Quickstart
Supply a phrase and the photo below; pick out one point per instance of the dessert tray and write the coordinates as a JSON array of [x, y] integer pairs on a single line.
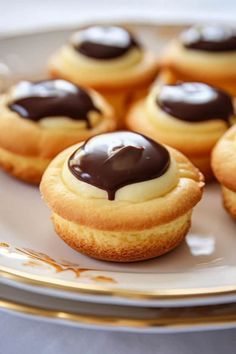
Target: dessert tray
[[201, 272]]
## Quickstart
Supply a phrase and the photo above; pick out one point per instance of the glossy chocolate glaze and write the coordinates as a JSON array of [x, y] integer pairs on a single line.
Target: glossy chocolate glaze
[[52, 98], [210, 38], [113, 160], [195, 102], [103, 42]]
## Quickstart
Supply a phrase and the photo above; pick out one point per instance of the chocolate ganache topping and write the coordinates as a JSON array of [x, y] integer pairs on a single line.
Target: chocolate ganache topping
[[195, 102], [52, 98], [113, 160], [210, 38], [103, 42]]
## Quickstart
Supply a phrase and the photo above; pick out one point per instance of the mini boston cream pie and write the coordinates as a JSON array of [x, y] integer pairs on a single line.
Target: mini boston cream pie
[[121, 196], [204, 53], [190, 117], [224, 168], [108, 59], [40, 119]]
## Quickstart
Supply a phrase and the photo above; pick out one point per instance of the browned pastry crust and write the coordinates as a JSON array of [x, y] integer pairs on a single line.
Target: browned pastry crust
[[224, 167], [223, 159], [129, 246], [229, 200], [203, 163], [26, 169], [120, 230]]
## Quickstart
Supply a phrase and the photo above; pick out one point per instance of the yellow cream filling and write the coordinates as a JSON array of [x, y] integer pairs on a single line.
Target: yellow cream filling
[[197, 59], [86, 69], [162, 121], [135, 193]]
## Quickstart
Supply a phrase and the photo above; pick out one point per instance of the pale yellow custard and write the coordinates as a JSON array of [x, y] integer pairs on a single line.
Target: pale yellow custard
[[134, 193]]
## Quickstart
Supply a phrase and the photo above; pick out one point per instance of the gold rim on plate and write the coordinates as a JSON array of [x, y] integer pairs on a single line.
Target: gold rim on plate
[[200, 317], [106, 290]]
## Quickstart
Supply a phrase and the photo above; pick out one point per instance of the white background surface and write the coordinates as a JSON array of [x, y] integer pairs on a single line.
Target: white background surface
[[21, 15], [26, 336]]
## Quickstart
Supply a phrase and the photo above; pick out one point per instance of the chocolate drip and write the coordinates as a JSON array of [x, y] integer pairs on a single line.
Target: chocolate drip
[[103, 42], [52, 98], [113, 160], [210, 38], [195, 102]]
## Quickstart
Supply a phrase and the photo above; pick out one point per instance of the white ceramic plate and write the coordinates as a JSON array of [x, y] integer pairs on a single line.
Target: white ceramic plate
[[201, 271], [116, 318]]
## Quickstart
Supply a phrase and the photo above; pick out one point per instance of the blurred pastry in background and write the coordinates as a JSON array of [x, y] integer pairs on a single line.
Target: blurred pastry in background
[[190, 117], [109, 59], [224, 167], [40, 119], [205, 53], [121, 196]]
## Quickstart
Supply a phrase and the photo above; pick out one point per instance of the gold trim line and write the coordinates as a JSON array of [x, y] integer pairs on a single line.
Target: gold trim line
[[120, 322], [109, 290]]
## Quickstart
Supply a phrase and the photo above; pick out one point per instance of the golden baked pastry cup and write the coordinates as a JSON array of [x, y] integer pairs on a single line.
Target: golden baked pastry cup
[[119, 90], [122, 231], [224, 168], [191, 65], [26, 147]]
